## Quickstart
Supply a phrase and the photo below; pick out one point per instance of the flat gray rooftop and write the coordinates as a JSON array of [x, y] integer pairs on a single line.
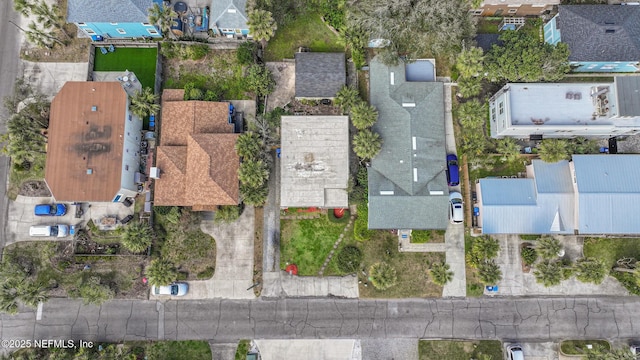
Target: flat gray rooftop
[[314, 161], [420, 70], [556, 104]]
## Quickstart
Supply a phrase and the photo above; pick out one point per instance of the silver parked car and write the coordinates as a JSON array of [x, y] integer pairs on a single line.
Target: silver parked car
[[174, 289], [514, 352], [456, 215]]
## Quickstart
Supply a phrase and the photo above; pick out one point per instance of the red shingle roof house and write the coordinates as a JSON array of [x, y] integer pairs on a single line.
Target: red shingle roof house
[[197, 159], [93, 150]]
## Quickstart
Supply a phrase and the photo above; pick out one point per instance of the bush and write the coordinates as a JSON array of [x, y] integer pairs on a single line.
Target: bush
[[247, 53], [161, 210], [361, 230], [196, 52], [227, 213], [136, 237], [206, 273], [349, 259], [161, 272], [529, 255], [382, 275]]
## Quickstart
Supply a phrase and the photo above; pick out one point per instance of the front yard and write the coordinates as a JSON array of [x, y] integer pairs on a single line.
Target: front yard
[[169, 350], [307, 30], [459, 350], [610, 250]]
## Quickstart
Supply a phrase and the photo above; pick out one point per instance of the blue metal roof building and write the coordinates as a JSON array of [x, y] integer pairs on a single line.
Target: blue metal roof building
[[113, 18]]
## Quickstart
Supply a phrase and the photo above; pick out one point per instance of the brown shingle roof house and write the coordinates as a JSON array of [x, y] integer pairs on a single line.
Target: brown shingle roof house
[[197, 158], [93, 143]]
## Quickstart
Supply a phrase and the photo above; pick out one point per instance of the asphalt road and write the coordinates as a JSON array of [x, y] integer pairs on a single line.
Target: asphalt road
[[524, 319], [9, 65]]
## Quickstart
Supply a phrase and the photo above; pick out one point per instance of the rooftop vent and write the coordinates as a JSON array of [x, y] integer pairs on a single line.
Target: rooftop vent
[[94, 108], [154, 173], [89, 171], [231, 11], [386, 192], [610, 31]]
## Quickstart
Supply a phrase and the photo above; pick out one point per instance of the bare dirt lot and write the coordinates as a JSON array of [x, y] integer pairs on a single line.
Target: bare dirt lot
[[34, 188]]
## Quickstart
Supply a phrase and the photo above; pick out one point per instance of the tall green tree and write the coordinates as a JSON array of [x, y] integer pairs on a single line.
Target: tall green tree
[[249, 145], [261, 25], [260, 80], [363, 116], [469, 86], [489, 272], [548, 273], [591, 270], [137, 237], [483, 248], [346, 98], [441, 273], [382, 275], [367, 144], [548, 247], [23, 7], [164, 17], [49, 16], [253, 173], [469, 62], [509, 149], [144, 103], [471, 114], [161, 272], [554, 150]]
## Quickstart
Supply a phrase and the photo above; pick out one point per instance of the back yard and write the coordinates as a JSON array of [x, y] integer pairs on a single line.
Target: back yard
[[142, 61], [306, 30]]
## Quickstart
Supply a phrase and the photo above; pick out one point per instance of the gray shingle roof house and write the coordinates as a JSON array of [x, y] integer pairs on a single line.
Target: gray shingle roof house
[[597, 36], [407, 181], [229, 17], [593, 194], [319, 75], [115, 11], [314, 161]]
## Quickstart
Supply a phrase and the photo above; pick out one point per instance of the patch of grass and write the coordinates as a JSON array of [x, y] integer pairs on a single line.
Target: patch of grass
[[579, 347], [307, 243], [343, 220], [587, 79], [530, 237], [206, 273], [475, 288], [243, 349], [610, 250], [305, 30], [499, 168], [486, 26], [427, 236], [18, 175], [142, 61], [187, 349], [459, 350]]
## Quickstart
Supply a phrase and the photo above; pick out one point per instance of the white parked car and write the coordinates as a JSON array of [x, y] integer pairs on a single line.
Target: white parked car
[[514, 352], [456, 215], [174, 289]]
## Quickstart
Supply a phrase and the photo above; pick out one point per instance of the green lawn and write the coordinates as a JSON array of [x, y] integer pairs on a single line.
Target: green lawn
[[499, 168], [306, 30], [142, 61], [307, 243], [242, 350], [427, 236], [610, 250], [459, 350], [579, 347], [488, 26]]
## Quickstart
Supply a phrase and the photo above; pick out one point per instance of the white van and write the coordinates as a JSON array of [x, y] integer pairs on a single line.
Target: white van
[[49, 230]]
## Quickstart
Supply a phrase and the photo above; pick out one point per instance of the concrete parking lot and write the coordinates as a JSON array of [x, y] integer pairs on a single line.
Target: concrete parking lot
[[21, 216]]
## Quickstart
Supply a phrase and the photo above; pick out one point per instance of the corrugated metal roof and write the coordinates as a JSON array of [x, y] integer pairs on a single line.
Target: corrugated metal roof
[[607, 173], [552, 177], [628, 88], [609, 213], [508, 191]]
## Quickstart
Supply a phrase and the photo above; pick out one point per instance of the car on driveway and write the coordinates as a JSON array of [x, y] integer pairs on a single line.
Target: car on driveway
[[453, 173], [456, 215], [174, 289], [635, 349], [514, 352], [50, 210]]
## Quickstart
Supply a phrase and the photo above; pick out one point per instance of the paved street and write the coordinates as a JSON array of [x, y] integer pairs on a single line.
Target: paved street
[[524, 319]]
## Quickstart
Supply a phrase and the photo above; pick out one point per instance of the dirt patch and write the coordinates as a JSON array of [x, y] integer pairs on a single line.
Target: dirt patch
[[77, 50], [34, 188], [285, 78], [312, 107], [257, 250]]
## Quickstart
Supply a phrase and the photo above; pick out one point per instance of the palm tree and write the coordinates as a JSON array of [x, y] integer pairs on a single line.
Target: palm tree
[[136, 237], [49, 16], [482, 249], [471, 114], [549, 247], [548, 273], [23, 7], [509, 149], [161, 272], [363, 116], [144, 103], [253, 173], [346, 98], [554, 150], [469, 62], [382, 275], [164, 18], [32, 293], [489, 272], [254, 196], [441, 274], [367, 144], [248, 145], [9, 296], [261, 25], [590, 270], [469, 86]]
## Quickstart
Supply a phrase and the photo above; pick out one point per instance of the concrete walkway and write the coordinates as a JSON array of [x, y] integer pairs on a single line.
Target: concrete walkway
[[279, 284], [223, 351], [324, 349], [234, 260]]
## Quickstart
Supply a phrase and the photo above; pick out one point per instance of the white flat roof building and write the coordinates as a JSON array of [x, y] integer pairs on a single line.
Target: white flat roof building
[[566, 110]]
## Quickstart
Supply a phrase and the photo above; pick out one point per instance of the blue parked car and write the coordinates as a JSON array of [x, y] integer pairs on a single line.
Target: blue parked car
[[453, 175], [50, 209]]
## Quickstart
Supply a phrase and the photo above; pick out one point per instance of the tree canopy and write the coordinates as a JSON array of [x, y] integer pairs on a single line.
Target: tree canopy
[[525, 57]]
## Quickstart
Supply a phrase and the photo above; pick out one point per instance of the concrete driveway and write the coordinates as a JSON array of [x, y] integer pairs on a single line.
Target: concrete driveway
[[325, 349], [538, 350], [49, 77], [21, 216], [517, 283], [234, 260]]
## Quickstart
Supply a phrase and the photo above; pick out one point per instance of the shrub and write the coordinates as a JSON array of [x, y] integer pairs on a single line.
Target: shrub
[[136, 237], [161, 272], [247, 53], [382, 275], [227, 213], [349, 259], [361, 230], [196, 52], [161, 210], [529, 256], [206, 273]]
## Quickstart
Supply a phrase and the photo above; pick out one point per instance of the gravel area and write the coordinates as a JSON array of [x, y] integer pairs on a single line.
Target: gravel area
[[374, 349]]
